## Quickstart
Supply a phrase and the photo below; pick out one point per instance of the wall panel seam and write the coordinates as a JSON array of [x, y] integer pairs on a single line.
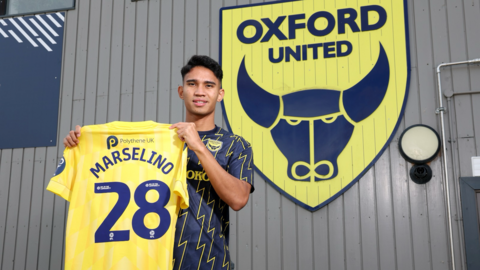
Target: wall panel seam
[[30, 206], [19, 199], [8, 202], [42, 200], [390, 174]]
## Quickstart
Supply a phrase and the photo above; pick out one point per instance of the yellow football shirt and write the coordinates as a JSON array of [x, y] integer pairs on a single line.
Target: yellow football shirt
[[125, 182]]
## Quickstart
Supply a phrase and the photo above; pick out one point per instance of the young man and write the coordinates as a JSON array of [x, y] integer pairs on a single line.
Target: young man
[[219, 170]]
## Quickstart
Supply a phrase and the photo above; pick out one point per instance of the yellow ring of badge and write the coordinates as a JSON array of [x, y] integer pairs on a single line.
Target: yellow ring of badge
[[312, 169]]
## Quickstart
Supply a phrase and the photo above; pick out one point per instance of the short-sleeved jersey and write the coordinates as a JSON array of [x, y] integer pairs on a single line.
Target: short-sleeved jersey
[[202, 235], [126, 184]]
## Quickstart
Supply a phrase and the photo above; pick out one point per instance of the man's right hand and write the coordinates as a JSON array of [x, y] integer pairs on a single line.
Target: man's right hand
[[72, 137]]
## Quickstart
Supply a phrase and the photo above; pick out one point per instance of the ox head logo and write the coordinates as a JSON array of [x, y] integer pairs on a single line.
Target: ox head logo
[[309, 126], [318, 89]]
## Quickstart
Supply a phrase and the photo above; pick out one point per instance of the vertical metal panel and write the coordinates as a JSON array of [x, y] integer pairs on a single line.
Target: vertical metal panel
[[204, 25], [214, 49], [425, 65], [13, 210], [259, 229], [46, 228], [58, 233], [304, 239], [412, 109], [336, 235], [353, 237], [467, 147], [368, 221], [401, 210], [274, 240], [153, 47], [116, 62], [472, 21], [244, 238], [104, 50], [289, 234], [36, 209], [24, 209], [460, 74], [214, 27], [139, 64], [384, 200], [91, 76], [68, 73], [5, 165], [178, 59], [128, 53], [437, 219], [476, 122], [321, 239], [191, 26], [73, 85], [81, 51], [165, 87], [420, 226]]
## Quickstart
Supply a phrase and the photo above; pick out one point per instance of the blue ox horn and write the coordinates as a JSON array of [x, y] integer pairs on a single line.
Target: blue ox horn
[[312, 131]]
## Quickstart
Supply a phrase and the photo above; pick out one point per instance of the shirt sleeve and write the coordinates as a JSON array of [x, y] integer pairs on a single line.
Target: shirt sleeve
[[180, 187], [241, 164], [64, 177]]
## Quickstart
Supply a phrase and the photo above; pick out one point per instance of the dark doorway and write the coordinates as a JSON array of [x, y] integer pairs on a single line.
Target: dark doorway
[[470, 188]]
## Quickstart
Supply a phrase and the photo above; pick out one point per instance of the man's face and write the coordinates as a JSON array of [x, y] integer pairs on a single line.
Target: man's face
[[200, 91]]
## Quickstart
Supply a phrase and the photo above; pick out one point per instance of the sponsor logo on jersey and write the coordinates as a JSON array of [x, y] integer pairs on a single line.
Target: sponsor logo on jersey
[[60, 167], [141, 140], [197, 175], [318, 87], [112, 141], [214, 145]]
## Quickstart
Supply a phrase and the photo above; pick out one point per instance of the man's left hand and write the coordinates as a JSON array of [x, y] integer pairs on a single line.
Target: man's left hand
[[187, 132]]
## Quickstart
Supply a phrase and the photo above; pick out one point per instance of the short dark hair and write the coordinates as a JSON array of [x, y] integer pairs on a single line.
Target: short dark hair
[[204, 61]]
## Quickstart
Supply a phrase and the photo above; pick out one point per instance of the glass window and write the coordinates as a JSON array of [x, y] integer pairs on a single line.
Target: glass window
[[13, 7]]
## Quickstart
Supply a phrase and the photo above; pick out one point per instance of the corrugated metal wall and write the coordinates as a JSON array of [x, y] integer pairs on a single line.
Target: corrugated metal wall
[[122, 62]]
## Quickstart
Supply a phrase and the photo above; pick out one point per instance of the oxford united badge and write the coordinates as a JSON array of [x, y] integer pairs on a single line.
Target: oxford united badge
[[318, 87]]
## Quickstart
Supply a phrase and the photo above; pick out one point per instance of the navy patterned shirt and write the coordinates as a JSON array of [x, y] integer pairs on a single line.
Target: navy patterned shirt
[[202, 230]]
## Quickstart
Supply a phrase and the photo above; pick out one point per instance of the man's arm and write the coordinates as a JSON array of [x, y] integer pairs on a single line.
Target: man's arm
[[230, 189]]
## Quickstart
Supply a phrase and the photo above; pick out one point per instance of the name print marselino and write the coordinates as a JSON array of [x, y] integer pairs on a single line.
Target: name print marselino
[[135, 153]]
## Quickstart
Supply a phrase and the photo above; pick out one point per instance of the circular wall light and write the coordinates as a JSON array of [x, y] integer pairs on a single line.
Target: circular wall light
[[419, 144]]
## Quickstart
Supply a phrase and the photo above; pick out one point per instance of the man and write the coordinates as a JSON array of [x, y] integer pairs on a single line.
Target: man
[[219, 170]]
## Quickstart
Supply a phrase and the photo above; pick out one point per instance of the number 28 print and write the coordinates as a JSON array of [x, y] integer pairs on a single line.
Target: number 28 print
[[104, 233]]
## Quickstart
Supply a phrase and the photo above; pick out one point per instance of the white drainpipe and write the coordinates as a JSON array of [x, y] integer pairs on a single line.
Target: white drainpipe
[[441, 111]]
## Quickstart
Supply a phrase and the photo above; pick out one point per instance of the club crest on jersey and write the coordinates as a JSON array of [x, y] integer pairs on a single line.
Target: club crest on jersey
[[112, 141], [318, 87], [60, 167], [214, 145]]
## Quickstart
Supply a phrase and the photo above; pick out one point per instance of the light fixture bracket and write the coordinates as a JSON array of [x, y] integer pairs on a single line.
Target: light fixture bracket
[[421, 173]]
